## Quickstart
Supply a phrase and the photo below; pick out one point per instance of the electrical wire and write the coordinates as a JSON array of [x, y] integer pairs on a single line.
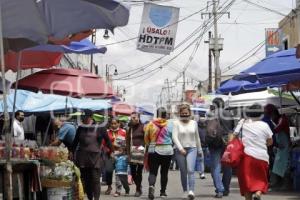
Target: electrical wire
[[185, 18], [242, 59], [265, 8], [200, 36]]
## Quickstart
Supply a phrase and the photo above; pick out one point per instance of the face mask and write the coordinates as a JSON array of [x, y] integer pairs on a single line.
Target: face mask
[[184, 117]]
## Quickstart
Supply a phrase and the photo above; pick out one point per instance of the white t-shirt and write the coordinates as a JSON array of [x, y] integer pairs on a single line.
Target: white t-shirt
[[254, 137], [186, 135], [18, 130]]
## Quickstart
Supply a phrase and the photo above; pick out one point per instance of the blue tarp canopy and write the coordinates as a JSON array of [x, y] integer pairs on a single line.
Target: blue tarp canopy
[[238, 87], [144, 111], [31, 102], [85, 46], [277, 69]]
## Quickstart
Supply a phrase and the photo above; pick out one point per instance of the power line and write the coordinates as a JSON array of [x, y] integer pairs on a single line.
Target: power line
[[242, 59], [160, 58], [265, 8], [189, 16]]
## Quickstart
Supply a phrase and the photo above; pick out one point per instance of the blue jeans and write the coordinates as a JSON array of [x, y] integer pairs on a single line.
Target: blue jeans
[[222, 184], [187, 168]]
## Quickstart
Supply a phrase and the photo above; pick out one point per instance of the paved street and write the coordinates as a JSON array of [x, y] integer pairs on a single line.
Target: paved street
[[204, 191]]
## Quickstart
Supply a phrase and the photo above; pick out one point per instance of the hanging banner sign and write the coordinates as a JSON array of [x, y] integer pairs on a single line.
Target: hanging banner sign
[[158, 29], [273, 41]]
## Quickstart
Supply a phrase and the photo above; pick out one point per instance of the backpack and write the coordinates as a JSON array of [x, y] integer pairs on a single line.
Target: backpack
[[215, 134]]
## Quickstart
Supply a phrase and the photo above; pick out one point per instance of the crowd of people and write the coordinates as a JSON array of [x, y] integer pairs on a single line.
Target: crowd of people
[[108, 150]]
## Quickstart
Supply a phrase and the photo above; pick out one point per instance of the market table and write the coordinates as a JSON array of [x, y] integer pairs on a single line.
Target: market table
[[29, 171]]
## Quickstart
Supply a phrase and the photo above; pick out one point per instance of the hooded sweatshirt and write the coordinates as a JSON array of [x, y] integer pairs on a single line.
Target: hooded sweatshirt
[[156, 133]]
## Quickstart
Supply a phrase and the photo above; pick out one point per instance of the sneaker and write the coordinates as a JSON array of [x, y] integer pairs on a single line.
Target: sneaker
[[185, 195], [256, 197], [226, 193], [138, 193], [117, 194], [202, 176], [163, 195], [127, 193], [219, 195], [191, 195], [151, 192]]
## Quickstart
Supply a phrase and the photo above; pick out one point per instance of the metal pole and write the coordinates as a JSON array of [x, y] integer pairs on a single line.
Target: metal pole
[[169, 96], [209, 89], [106, 72], [8, 167], [92, 55], [183, 87], [216, 46]]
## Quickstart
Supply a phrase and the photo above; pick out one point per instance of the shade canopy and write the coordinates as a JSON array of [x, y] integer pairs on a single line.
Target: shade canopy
[[239, 87], [31, 102], [122, 108], [46, 56], [36, 21], [68, 82], [262, 98], [278, 69]]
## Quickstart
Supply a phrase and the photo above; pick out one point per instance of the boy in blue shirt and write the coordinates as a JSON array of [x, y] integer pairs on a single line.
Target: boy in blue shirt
[[121, 171]]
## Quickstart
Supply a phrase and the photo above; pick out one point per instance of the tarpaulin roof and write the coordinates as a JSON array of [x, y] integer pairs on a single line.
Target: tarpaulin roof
[[277, 69], [39, 102]]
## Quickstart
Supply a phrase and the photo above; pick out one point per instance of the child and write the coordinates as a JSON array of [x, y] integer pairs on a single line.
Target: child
[[121, 170]]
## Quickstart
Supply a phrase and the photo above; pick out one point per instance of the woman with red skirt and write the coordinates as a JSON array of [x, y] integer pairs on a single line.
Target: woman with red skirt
[[253, 169]]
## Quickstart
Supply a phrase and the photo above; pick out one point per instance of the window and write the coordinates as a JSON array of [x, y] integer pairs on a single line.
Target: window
[[285, 44]]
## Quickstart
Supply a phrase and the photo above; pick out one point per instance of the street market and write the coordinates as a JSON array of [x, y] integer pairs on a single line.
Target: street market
[[111, 98]]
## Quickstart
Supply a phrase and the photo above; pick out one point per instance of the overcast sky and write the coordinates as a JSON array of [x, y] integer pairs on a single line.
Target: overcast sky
[[243, 31]]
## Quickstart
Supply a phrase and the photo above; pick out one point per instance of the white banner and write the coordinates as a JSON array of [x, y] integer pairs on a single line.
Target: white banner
[[158, 29]]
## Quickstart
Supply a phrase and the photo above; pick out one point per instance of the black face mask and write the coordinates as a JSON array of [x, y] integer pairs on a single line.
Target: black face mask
[[185, 117], [21, 119]]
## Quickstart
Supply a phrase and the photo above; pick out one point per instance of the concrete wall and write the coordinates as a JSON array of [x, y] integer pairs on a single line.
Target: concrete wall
[[291, 29]]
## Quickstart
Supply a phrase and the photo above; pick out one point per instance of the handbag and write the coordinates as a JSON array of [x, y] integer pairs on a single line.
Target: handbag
[[137, 153], [234, 151], [152, 145]]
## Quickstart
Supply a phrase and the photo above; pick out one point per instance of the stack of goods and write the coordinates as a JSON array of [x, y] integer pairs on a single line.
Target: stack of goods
[[21, 150], [59, 175], [54, 154], [62, 181]]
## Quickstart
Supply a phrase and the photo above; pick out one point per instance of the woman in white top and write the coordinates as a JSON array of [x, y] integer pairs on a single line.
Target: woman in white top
[[253, 169], [187, 142]]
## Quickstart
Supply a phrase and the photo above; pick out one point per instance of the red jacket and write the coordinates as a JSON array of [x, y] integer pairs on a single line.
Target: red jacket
[[117, 138]]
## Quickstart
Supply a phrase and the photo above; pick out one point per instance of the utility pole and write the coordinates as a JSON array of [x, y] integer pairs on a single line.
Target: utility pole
[[183, 87], [209, 88], [169, 96], [216, 43], [216, 48]]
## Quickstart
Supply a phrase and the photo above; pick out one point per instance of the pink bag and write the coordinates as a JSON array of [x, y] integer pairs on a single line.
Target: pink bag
[[233, 153]]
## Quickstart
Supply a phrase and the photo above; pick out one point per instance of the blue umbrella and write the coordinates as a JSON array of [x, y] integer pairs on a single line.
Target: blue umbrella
[[238, 87], [278, 69], [37, 20], [85, 46]]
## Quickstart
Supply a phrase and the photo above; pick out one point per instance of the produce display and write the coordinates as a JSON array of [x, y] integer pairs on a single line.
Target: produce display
[[62, 171], [55, 154], [28, 150]]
